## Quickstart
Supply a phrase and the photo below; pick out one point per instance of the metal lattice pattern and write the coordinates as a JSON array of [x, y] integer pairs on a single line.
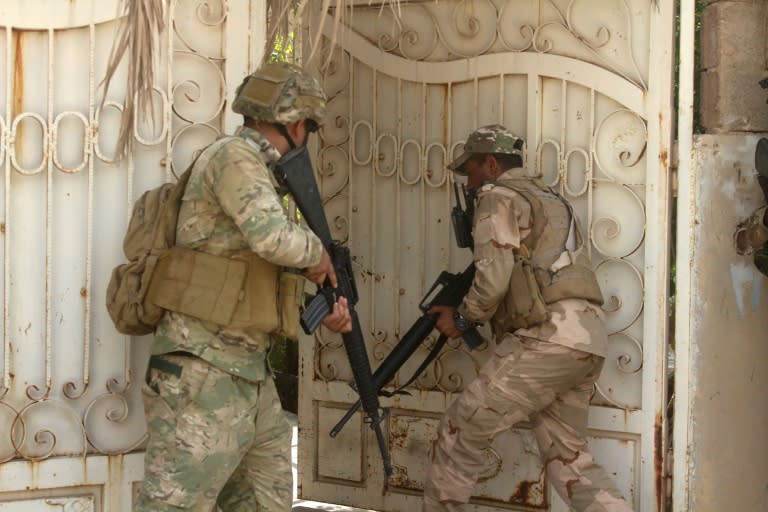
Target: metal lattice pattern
[[68, 380], [587, 144], [577, 80]]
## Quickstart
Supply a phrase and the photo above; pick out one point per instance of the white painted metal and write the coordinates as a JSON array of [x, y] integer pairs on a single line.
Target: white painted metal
[[686, 199], [590, 89], [71, 419]]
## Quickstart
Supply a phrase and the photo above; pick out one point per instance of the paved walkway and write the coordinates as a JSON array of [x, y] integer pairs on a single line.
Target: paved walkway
[[303, 505]]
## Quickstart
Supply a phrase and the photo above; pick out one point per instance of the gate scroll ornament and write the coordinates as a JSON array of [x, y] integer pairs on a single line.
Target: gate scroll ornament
[[68, 382], [598, 169]]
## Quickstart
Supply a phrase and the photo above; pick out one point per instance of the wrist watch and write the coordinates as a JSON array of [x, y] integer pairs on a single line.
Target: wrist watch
[[461, 323]]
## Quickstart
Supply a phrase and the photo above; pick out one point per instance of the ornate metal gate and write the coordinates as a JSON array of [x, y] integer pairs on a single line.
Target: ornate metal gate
[[588, 84], [71, 421]]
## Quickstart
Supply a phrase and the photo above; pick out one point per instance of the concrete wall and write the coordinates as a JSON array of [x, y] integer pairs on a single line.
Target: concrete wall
[[733, 61], [729, 347], [728, 395]]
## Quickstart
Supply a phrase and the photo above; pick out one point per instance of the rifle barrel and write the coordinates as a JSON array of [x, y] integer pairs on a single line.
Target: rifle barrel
[[369, 394], [394, 361]]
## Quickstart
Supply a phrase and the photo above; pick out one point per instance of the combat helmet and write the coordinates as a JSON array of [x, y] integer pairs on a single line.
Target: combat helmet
[[493, 138], [280, 93]]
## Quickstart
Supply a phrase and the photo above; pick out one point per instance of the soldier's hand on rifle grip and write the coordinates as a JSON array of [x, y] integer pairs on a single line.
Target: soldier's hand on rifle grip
[[324, 269], [445, 323], [339, 319]]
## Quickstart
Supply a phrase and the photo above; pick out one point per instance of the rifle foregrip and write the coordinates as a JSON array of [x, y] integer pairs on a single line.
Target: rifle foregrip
[[361, 367], [314, 314], [472, 338]]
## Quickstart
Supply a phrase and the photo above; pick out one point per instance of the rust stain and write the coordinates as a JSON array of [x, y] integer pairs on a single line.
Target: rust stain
[[658, 459], [18, 73], [116, 465], [83, 292], [664, 157], [2, 228], [34, 470], [398, 441], [18, 82], [446, 109], [569, 487], [526, 493]]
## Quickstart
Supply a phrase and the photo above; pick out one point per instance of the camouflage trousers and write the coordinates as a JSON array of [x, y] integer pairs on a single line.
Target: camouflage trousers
[[544, 383], [216, 441]]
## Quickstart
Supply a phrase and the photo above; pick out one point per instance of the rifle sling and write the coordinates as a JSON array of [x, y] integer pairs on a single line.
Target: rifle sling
[[423, 366]]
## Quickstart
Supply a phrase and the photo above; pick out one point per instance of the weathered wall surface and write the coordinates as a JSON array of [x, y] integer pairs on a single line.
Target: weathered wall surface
[[729, 356], [728, 423], [729, 345], [733, 61]]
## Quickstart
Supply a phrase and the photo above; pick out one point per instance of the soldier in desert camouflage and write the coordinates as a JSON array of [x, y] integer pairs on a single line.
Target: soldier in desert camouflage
[[543, 304], [218, 439]]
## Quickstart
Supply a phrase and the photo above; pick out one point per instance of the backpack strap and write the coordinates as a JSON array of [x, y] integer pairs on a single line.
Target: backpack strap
[[176, 194]]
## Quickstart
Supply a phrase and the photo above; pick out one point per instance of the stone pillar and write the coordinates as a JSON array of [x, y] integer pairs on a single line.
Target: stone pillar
[[727, 359], [733, 61]]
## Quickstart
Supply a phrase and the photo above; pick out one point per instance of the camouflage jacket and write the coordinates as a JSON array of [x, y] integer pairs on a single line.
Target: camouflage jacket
[[231, 205], [501, 222]]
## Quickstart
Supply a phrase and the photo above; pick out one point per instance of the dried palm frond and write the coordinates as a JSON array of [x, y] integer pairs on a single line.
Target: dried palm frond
[[138, 34], [143, 21], [278, 22]]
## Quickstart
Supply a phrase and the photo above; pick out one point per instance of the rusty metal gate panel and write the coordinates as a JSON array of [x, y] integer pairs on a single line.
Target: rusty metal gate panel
[[588, 84], [71, 419]]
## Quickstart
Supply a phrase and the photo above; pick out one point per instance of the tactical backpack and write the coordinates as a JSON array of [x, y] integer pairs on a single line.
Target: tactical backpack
[[241, 290], [151, 232]]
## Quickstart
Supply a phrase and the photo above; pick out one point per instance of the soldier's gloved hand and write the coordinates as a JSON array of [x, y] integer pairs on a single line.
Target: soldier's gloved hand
[[339, 319], [318, 273], [445, 323]]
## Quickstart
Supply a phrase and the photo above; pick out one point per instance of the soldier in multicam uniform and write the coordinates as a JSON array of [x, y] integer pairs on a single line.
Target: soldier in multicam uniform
[[543, 303], [218, 439]]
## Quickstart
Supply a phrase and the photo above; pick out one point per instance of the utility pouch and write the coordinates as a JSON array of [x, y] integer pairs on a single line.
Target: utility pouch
[[258, 307], [525, 304], [291, 297], [573, 281], [198, 284], [238, 292]]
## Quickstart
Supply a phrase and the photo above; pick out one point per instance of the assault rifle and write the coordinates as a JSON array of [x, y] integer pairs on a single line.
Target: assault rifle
[[448, 290], [294, 172]]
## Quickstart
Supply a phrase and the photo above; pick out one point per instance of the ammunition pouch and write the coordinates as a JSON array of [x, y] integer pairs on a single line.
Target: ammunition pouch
[[241, 292], [532, 289], [525, 304], [574, 281]]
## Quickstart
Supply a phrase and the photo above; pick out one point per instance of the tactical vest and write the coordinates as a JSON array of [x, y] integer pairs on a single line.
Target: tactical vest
[[239, 290], [545, 270]]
